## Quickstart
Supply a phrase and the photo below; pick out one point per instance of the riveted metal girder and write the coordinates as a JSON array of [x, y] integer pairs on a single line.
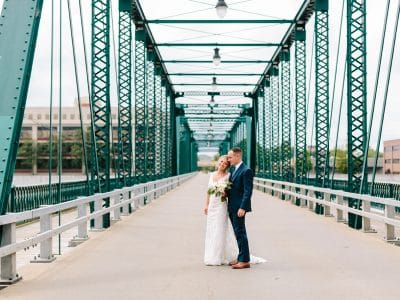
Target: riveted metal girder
[[286, 143], [300, 106], [100, 92], [140, 107], [125, 91], [321, 29], [19, 24]]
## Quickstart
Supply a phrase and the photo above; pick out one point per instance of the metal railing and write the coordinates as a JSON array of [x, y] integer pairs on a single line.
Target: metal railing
[[24, 198], [122, 202], [336, 200]]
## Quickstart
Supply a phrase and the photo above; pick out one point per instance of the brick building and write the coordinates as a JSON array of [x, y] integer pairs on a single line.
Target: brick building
[[391, 155]]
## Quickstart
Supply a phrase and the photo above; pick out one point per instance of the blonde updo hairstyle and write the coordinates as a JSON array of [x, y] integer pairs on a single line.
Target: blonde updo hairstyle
[[219, 159]]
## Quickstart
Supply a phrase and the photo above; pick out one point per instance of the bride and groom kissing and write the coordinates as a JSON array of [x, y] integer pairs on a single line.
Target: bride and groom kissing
[[228, 200]]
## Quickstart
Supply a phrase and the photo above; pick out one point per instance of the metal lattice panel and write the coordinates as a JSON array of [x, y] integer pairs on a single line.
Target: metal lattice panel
[[275, 121], [164, 127], [286, 144], [267, 129], [357, 94], [301, 109], [151, 123], [158, 126], [322, 91], [124, 105], [140, 110], [101, 92]]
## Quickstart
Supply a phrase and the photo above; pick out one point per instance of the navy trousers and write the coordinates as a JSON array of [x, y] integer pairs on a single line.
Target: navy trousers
[[239, 228]]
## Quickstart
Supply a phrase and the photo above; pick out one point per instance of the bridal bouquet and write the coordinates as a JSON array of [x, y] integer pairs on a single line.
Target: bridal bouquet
[[220, 190]]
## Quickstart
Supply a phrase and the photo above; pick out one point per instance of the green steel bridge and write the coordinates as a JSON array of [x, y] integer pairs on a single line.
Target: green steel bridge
[[275, 97], [172, 104]]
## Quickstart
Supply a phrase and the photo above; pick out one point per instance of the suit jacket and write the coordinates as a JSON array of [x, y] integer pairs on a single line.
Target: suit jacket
[[239, 196]]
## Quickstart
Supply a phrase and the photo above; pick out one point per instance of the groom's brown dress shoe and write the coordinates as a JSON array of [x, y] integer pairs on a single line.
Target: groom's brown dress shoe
[[241, 265], [233, 262]]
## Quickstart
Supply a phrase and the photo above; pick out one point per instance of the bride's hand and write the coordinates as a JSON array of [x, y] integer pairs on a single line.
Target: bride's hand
[[205, 210]]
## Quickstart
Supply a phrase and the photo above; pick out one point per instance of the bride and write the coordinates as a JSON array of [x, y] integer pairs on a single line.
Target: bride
[[220, 245]]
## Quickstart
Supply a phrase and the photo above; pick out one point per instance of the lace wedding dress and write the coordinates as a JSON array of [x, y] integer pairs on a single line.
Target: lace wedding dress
[[220, 244]]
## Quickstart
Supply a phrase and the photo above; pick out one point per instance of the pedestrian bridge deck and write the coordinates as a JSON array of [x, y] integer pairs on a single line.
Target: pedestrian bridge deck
[[156, 253]]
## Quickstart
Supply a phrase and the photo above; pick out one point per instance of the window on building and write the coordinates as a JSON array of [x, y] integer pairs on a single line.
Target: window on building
[[388, 149], [55, 116], [30, 116], [64, 116], [396, 148], [396, 160], [72, 116], [39, 117], [26, 133], [47, 116], [114, 116], [388, 161]]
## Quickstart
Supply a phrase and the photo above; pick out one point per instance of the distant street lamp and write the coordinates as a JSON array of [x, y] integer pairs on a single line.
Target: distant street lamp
[[221, 8], [216, 57], [212, 101], [214, 84]]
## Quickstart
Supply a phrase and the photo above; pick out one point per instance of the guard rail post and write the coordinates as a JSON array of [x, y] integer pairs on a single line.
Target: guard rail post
[[82, 227], [390, 235], [46, 246], [8, 271]]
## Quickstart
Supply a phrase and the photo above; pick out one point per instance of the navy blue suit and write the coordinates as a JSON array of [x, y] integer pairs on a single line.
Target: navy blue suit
[[239, 196]]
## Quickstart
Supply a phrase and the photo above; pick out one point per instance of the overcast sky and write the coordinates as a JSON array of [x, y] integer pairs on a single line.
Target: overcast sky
[[154, 9]]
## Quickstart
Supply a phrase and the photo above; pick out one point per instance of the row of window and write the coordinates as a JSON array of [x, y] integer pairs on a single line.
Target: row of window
[[392, 148], [395, 161], [64, 116]]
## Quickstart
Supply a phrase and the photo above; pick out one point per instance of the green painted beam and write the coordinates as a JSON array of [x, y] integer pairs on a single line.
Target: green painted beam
[[125, 90], [100, 100], [208, 93], [18, 34], [210, 61], [218, 44], [208, 84], [214, 74], [217, 21]]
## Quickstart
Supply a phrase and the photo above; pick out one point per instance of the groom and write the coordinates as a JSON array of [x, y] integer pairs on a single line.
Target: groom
[[239, 202]]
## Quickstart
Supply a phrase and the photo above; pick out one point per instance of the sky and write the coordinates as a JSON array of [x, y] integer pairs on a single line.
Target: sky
[[39, 91]]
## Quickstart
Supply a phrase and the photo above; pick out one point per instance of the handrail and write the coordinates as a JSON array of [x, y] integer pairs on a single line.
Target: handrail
[[123, 198], [336, 200]]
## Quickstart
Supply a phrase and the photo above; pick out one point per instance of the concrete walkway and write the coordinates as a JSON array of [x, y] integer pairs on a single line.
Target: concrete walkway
[[156, 253]]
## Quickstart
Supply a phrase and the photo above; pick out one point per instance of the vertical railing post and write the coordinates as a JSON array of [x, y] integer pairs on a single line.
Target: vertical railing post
[[117, 211], [82, 227], [9, 263], [46, 246], [327, 208], [366, 223], [339, 211], [125, 208], [98, 221], [390, 234]]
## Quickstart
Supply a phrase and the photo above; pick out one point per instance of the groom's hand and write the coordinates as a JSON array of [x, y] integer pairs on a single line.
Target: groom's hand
[[241, 213]]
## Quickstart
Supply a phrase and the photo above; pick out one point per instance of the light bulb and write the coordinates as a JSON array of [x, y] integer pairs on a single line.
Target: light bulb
[[214, 84], [221, 8], [216, 57]]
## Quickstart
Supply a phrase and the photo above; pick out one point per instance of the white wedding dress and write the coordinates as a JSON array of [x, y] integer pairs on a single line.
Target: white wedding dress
[[220, 243]]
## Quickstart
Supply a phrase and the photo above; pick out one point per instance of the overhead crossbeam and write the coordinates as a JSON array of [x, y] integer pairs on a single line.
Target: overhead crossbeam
[[218, 44], [209, 84], [208, 93], [213, 21], [210, 61], [214, 74]]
